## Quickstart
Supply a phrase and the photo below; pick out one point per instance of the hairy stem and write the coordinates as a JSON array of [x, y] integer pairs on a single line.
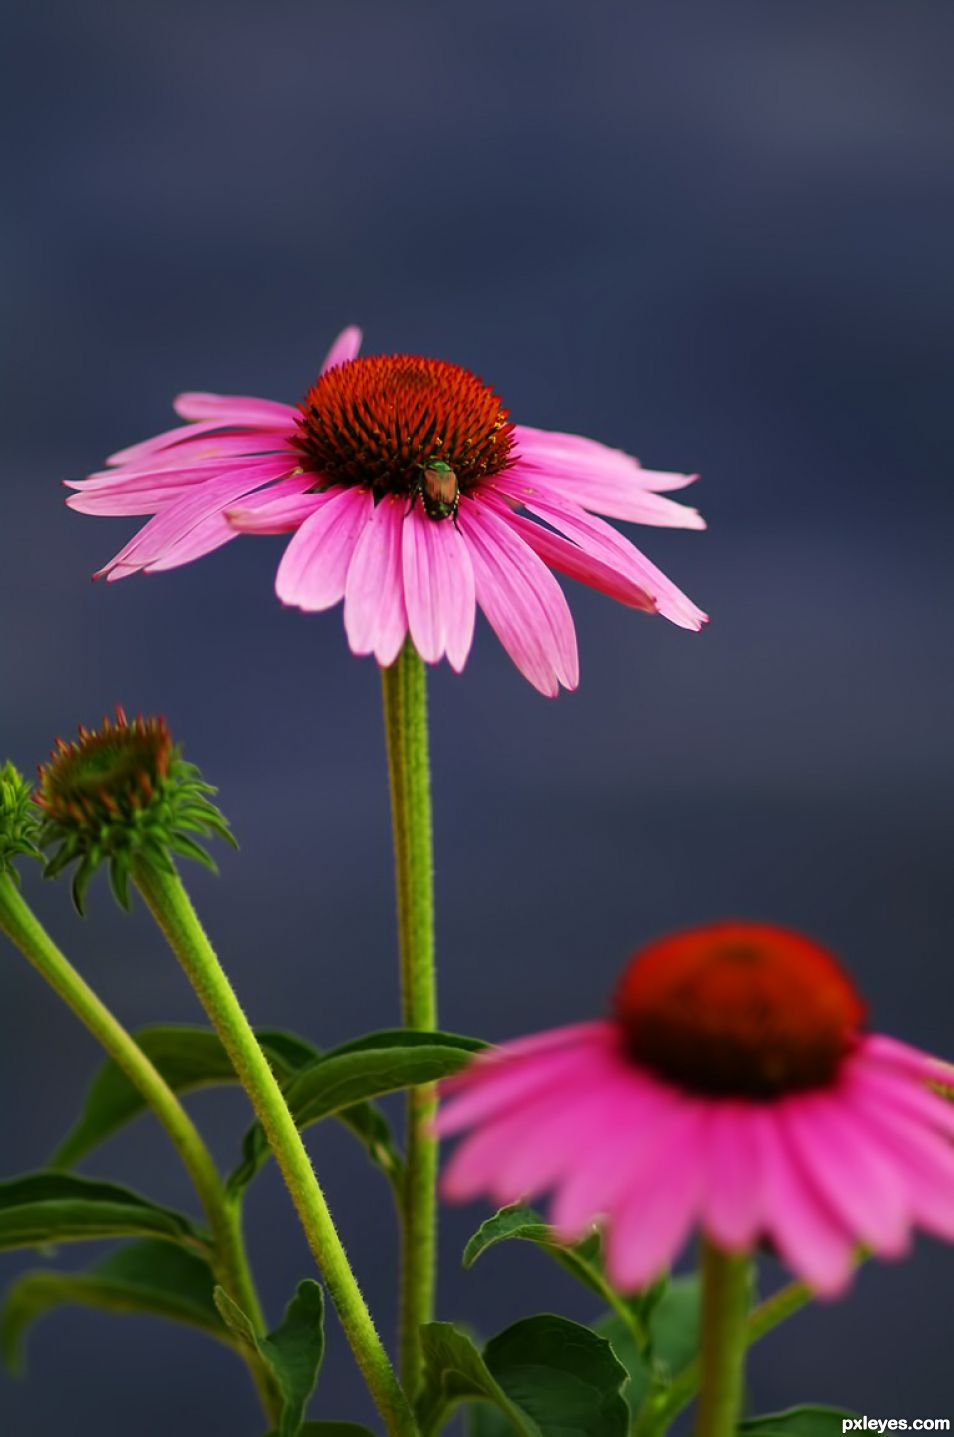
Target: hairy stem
[[173, 911], [229, 1259], [404, 694]]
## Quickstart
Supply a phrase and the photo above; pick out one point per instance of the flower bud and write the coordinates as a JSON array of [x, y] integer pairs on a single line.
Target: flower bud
[[19, 820], [122, 794]]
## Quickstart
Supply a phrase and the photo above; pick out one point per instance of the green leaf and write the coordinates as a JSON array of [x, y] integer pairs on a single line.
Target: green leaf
[[149, 1277], [293, 1351], [674, 1339], [521, 1222], [548, 1376], [350, 1075], [332, 1429], [807, 1421], [454, 1371], [187, 1057], [49, 1207]]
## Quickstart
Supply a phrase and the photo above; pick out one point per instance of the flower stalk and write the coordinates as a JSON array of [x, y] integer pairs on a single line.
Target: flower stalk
[[228, 1257], [726, 1290], [172, 909], [404, 695]]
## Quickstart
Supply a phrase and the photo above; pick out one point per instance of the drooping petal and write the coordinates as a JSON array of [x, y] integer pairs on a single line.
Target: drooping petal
[[375, 615], [493, 1085], [604, 542], [438, 588], [345, 347], [314, 568], [523, 602], [567, 558], [171, 525], [148, 495]]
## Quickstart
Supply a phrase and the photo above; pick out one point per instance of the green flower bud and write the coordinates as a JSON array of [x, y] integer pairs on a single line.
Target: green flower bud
[[19, 821], [123, 794]]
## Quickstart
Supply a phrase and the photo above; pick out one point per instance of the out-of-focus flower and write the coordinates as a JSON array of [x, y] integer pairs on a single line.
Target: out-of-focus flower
[[412, 497], [734, 1088]]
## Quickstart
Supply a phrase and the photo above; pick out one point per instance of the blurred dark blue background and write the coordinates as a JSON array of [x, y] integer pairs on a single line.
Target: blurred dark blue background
[[717, 235]]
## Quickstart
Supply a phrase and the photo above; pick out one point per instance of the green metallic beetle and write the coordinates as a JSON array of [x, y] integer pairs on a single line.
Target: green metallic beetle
[[438, 489]]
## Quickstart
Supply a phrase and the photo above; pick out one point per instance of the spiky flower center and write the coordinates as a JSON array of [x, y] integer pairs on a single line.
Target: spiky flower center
[[401, 424], [740, 1009], [117, 768]]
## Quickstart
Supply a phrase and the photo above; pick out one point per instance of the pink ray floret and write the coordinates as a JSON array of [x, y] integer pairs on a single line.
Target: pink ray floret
[[345, 473], [647, 1140]]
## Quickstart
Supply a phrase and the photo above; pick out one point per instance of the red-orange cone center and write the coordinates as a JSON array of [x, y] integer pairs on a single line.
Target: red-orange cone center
[[401, 424], [739, 1008]]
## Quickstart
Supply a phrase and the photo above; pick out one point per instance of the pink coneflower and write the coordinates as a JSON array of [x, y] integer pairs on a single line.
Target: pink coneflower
[[734, 1088], [412, 497]]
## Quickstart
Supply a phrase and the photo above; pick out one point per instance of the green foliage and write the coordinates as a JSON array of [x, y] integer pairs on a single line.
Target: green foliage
[[332, 1429], [547, 1376], [806, 1421], [149, 1277], [50, 1207], [187, 1057], [673, 1321], [521, 1222], [366, 1068], [294, 1351], [19, 820]]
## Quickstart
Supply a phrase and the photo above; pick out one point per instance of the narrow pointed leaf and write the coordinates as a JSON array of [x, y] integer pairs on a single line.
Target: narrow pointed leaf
[[367, 1068], [149, 1277], [673, 1335], [521, 1222], [806, 1421], [192, 1057], [51, 1207], [294, 1351], [548, 1376]]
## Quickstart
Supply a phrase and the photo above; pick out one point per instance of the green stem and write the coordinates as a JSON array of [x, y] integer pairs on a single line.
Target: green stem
[[761, 1320], [229, 1260], [173, 911], [726, 1286], [404, 694]]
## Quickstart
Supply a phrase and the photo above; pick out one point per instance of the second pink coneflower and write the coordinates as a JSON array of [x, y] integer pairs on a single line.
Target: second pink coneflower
[[734, 1089]]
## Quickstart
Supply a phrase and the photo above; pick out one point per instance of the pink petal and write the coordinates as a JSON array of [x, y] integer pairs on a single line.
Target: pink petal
[[375, 617], [236, 409], [808, 1234], [647, 1230], [280, 509], [155, 539], [493, 1085], [569, 559], [149, 494], [523, 602], [731, 1211], [851, 1172], [604, 542], [907, 1059], [637, 1114], [345, 347], [149, 448], [525, 482], [208, 535], [574, 447], [314, 568], [438, 589]]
